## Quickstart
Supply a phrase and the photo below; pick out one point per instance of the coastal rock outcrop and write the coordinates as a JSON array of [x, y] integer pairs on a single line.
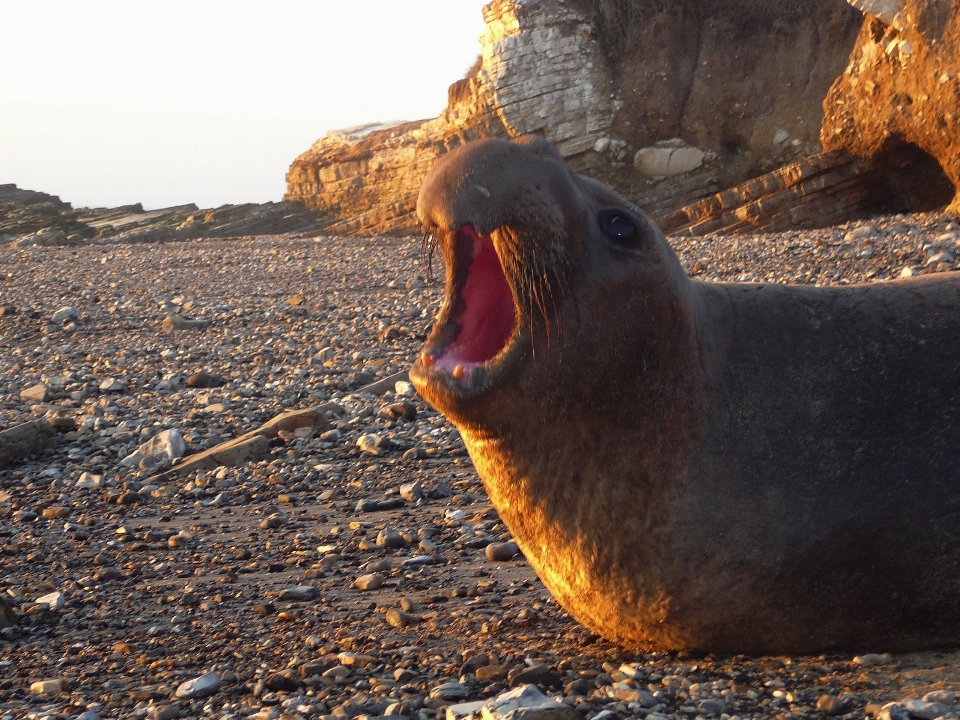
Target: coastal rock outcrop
[[730, 90], [29, 218], [898, 101]]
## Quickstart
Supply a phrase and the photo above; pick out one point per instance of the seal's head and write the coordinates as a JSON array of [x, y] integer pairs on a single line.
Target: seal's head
[[525, 242]]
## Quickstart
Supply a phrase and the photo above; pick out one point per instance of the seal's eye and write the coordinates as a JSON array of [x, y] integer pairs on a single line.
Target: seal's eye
[[619, 227]]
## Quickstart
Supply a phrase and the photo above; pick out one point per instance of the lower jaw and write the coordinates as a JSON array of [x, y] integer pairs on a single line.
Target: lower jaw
[[429, 381]]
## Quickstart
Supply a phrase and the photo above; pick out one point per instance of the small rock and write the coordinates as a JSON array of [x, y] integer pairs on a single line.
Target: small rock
[[536, 675], [830, 704], [375, 444], [128, 498], [169, 443], [527, 702], [406, 410], [281, 682], [941, 257], [449, 691], [864, 232], [477, 661], [710, 706], [54, 600], [908, 272], [65, 314], [460, 711], [400, 619], [944, 697], [89, 481], [923, 709], [873, 659], [382, 565], [111, 385], [199, 687], [352, 659], [301, 593], [892, 711], [163, 711], [501, 552], [47, 687], [63, 424], [204, 380], [370, 581], [177, 322], [781, 136], [491, 673], [611, 715], [663, 161], [337, 672], [411, 492], [35, 393], [138, 459], [390, 539]]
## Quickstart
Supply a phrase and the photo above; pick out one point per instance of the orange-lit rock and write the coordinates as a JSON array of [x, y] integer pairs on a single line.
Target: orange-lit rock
[[900, 94]]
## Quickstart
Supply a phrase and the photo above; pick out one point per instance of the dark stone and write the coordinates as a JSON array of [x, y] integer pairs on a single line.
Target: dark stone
[[284, 682], [204, 380], [477, 661], [536, 675]]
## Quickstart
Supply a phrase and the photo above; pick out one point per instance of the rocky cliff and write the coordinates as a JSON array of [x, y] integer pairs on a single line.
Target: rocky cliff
[[667, 100], [898, 101]]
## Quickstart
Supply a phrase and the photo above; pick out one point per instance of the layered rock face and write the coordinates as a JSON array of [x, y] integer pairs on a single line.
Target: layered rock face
[[898, 101], [33, 218], [540, 71], [668, 101]]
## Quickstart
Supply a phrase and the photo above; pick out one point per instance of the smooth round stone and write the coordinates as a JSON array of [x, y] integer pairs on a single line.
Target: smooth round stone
[[501, 552], [830, 704], [370, 581]]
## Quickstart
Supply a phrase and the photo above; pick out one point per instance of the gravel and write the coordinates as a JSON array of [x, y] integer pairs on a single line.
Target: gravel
[[245, 581]]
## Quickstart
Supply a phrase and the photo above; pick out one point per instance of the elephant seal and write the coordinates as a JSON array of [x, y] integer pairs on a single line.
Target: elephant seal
[[744, 468]]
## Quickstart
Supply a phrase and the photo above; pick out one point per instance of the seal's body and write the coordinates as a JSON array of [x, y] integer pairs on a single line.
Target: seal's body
[[728, 467]]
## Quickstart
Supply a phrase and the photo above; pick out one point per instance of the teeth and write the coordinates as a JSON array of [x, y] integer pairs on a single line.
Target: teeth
[[458, 372], [426, 359]]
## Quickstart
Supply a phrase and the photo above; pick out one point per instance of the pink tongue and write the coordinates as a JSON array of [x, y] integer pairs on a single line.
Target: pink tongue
[[488, 320]]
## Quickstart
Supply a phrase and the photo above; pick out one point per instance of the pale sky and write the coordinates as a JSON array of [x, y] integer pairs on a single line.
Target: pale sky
[[167, 102]]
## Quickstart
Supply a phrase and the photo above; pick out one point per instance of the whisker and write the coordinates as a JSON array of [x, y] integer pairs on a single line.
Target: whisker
[[428, 245]]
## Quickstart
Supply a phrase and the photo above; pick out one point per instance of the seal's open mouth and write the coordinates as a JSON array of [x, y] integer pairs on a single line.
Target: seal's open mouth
[[479, 315]]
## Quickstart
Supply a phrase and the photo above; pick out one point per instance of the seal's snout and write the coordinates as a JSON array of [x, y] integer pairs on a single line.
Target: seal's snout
[[479, 314]]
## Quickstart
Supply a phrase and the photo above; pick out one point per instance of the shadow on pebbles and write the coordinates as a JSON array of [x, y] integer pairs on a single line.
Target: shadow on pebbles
[[322, 579]]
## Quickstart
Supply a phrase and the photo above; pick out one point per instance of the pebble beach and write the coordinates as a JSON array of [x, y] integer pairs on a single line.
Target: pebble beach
[[355, 569]]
